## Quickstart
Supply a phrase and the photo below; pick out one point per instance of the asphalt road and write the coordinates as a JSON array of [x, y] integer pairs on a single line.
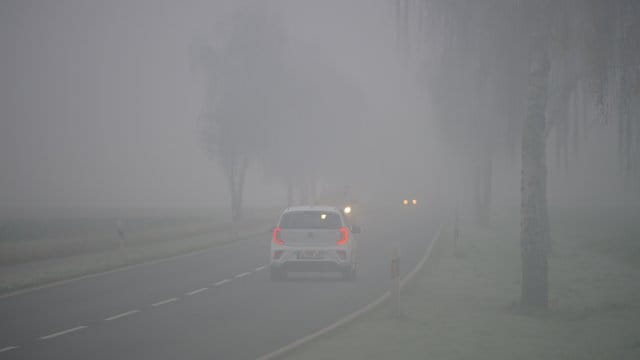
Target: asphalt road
[[217, 304]]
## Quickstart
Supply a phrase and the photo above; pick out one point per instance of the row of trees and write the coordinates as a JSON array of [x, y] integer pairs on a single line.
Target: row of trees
[[269, 104], [503, 76], [503, 72]]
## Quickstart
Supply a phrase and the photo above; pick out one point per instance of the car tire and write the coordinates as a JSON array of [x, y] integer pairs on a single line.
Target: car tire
[[277, 274], [349, 274]]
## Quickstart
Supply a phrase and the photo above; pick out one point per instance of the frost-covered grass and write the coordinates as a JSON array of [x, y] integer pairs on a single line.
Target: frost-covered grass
[[462, 305], [29, 238], [144, 242]]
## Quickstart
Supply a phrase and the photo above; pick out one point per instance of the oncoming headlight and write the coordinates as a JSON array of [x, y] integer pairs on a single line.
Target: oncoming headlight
[[347, 210]]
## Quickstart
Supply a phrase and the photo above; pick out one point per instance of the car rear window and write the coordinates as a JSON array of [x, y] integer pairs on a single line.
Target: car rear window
[[310, 220]]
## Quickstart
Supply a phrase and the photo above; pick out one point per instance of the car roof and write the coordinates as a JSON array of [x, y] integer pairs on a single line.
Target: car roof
[[311, 208]]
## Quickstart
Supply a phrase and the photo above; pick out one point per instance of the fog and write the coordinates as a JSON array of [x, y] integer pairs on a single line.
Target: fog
[[100, 105], [195, 124]]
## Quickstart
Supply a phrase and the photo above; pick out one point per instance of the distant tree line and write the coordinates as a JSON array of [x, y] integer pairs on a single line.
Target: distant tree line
[[268, 106]]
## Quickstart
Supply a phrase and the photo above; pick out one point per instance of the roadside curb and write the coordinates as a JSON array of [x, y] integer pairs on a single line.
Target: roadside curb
[[26, 290], [354, 315]]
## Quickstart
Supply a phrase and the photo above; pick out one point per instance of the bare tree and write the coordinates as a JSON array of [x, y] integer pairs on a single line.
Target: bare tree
[[534, 237], [242, 78], [312, 138], [570, 57]]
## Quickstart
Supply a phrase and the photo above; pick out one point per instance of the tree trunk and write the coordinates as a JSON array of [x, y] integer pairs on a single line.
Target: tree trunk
[[534, 237], [236, 173], [236, 205], [482, 189], [313, 196], [289, 194], [488, 189], [304, 192]]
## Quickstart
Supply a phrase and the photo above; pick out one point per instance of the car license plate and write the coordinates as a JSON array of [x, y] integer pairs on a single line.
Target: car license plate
[[311, 254]]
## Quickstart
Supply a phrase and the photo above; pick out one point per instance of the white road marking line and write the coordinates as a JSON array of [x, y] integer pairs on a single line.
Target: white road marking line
[[164, 302], [221, 282], [260, 268], [242, 275], [121, 315], [197, 291], [8, 348], [51, 336], [256, 235], [277, 354]]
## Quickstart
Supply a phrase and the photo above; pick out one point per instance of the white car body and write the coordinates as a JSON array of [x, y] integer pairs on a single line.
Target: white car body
[[313, 238]]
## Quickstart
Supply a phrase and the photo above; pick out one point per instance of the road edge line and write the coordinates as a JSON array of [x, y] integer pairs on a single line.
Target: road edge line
[[354, 315], [63, 332], [121, 315], [128, 267]]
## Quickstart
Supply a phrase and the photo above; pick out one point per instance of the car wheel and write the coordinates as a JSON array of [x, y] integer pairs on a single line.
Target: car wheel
[[349, 274]]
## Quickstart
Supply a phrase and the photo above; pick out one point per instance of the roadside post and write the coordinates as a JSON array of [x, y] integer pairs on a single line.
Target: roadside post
[[120, 229], [395, 283], [121, 240], [234, 229], [456, 230]]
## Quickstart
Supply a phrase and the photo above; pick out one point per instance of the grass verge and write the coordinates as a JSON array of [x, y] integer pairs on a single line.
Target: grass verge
[[143, 247], [461, 305]]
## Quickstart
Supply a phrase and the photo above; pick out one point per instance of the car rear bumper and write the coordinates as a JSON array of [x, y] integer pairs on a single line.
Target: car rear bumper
[[311, 266], [338, 256]]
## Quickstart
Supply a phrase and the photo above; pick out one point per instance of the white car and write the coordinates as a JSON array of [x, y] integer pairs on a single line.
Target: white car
[[313, 238]]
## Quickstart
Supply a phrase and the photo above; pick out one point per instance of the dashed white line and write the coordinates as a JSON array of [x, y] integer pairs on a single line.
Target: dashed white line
[[242, 275], [197, 291], [221, 282], [164, 302], [121, 315], [8, 348], [260, 268], [51, 336]]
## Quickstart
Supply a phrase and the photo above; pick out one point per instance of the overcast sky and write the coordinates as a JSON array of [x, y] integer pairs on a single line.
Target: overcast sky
[[99, 106]]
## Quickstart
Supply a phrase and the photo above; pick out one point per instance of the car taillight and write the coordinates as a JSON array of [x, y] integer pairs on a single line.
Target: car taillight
[[344, 236], [276, 236]]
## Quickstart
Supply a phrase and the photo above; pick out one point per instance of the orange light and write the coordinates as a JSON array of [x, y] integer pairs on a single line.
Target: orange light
[[276, 236], [414, 202], [344, 236], [405, 202]]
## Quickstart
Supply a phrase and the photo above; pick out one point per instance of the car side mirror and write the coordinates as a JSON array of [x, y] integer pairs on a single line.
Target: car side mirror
[[355, 229]]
